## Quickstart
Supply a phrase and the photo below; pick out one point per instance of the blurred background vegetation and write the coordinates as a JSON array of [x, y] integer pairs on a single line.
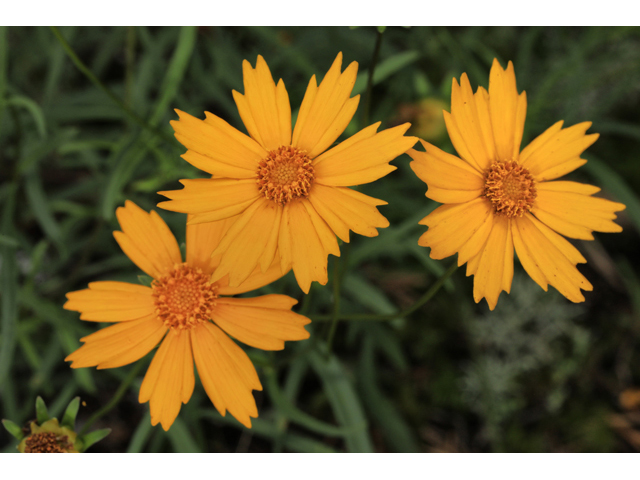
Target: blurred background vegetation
[[537, 374]]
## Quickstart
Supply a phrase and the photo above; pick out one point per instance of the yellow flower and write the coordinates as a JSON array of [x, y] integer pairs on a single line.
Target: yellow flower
[[184, 302], [497, 198], [287, 194]]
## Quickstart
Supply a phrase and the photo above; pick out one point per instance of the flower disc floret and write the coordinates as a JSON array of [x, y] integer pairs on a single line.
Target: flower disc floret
[[510, 188], [47, 442], [285, 174], [184, 297]]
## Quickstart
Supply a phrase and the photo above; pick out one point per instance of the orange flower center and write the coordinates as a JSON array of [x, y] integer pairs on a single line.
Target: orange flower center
[[510, 188], [285, 174], [184, 297], [47, 442]]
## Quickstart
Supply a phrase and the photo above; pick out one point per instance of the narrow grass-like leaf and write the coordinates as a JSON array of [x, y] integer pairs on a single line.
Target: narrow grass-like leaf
[[181, 438], [385, 69], [40, 206], [7, 241], [344, 401], [140, 435], [9, 284], [33, 108], [69, 417]]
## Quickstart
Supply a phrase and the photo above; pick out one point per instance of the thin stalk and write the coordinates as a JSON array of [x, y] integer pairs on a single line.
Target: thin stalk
[[336, 303], [374, 61], [408, 311], [89, 74], [122, 389]]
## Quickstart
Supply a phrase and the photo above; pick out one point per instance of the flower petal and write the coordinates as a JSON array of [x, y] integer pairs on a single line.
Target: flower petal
[[345, 209], [494, 271], [264, 108], [568, 208], [462, 228], [169, 381], [264, 324], [557, 151], [508, 111], [326, 110], [119, 344], [544, 261], [257, 279], [202, 239], [450, 180], [217, 147], [146, 240], [248, 241], [111, 302], [227, 374], [217, 198], [364, 157]]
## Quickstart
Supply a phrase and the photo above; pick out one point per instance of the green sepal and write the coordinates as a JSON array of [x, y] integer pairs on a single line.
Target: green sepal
[[145, 280], [85, 441], [69, 417], [42, 414], [381, 29], [13, 429]]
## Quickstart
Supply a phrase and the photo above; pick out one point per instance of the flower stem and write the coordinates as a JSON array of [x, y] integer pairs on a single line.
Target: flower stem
[[374, 61], [89, 74], [408, 311], [336, 303], [124, 386]]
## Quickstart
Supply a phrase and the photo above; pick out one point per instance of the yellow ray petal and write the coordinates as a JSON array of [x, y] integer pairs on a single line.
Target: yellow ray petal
[[325, 234], [247, 242], [146, 240], [202, 239], [540, 257], [494, 271], [256, 280], [450, 180], [365, 160], [111, 302], [308, 256], [227, 374], [557, 151], [454, 227], [217, 146], [218, 198], [326, 110], [169, 381], [345, 209], [507, 109], [119, 344], [266, 327], [568, 208], [264, 107]]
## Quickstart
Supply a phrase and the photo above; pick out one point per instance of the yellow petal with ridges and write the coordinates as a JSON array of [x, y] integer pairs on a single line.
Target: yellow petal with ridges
[[507, 110], [218, 198], [325, 234], [111, 302], [169, 381], [494, 271], [534, 248], [258, 326], [325, 108], [146, 240], [257, 279], [119, 344], [363, 161], [227, 374], [217, 140], [202, 239]]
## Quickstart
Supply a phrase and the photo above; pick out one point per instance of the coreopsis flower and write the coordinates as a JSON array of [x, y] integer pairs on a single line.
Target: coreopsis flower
[[497, 198], [188, 314], [287, 192]]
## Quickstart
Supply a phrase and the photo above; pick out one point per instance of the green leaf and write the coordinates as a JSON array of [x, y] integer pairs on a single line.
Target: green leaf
[[145, 280], [140, 435], [13, 429], [40, 206], [92, 437], [8, 241], [385, 69], [69, 417], [181, 438], [42, 414], [33, 108], [344, 401]]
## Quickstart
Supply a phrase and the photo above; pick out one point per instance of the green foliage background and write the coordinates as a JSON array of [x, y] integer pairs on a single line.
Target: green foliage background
[[536, 374]]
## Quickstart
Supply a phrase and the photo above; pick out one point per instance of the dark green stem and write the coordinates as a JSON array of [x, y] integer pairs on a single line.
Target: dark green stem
[[374, 61], [122, 389], [89, 74], [373, 317], [336, 302]]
